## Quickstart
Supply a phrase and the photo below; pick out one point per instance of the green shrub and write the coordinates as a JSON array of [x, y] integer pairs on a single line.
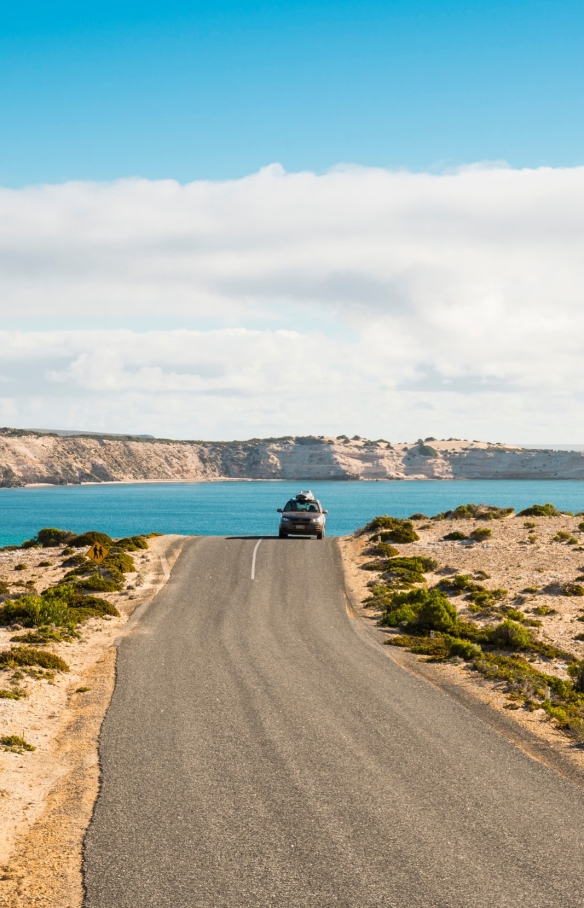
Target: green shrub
[[464, 649], [481, 533], [455, 536], [459, 583], [572, 589], [49, 537], [475, 512], [63, 605], [511, 635], [576, 672], [403, 534], [581, 527], [418, 516], [529, 525], [540, 510], [44, 564], [385, 550], [101, 584], [32, 611], [132, 543], [15, 743], [565, 537], [77, 561], [430, 610], [26, 655], [89, 538], [4, 588], [437, 613], [21, 567], [394, 529], [427, 451], [119, 561], [15, 693]]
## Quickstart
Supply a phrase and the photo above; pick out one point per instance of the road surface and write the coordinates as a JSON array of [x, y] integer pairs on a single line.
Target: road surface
[[259, 751]]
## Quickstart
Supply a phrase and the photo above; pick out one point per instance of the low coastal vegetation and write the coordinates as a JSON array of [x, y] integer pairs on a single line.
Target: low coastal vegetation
[[53, 616], [457, 617]]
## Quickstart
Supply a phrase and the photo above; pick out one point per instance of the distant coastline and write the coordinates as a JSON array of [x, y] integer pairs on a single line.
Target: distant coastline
[[33, 458]]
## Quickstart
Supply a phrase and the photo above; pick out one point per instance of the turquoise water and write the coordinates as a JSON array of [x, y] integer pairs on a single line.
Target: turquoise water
[[249, 508]]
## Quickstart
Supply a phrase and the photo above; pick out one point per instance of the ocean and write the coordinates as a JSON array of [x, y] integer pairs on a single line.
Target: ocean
[[249, 508]]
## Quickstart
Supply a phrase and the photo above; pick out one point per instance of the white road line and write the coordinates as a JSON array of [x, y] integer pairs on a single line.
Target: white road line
[[253, 560]]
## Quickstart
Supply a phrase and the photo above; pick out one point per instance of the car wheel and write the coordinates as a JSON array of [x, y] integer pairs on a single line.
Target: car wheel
[[320, 535], [283, 535]]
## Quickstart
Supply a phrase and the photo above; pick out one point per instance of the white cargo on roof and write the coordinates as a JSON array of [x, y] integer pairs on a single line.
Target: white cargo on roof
[[305, 495]]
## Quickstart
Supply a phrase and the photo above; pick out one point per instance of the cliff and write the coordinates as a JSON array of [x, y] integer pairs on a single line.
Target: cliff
[[30, 457]]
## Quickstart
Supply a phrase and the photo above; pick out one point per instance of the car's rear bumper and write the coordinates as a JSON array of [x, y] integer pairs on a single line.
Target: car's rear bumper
[[295, 529]]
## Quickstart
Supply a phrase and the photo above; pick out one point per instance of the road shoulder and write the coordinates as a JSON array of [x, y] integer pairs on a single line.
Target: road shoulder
[[528, 731], [46, 803]]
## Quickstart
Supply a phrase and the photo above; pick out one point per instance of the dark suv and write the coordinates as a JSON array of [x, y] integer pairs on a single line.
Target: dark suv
[[302, 516]]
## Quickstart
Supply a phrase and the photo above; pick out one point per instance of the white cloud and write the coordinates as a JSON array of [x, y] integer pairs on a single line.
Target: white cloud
[[459, 297]]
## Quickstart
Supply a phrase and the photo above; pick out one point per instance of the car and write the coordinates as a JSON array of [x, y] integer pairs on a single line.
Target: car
[[302, 516]]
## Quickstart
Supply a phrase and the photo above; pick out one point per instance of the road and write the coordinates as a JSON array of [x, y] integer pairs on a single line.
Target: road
[[260, 751]]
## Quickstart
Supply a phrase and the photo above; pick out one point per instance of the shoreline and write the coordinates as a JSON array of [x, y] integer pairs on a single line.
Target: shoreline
[[229, 479]]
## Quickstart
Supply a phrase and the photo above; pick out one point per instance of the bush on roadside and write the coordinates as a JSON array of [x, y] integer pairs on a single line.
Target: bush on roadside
[[455, 536], [540, 510], [22, 656], [481, 533]]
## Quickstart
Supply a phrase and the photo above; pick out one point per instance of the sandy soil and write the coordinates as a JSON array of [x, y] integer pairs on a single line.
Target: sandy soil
[[46, 796], [514, 564]]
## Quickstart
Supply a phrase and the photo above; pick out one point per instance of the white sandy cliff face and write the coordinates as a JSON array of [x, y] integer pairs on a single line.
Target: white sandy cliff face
[[31, 458]]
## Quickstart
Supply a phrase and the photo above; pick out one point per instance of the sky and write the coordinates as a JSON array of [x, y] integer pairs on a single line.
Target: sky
[[231, 220]]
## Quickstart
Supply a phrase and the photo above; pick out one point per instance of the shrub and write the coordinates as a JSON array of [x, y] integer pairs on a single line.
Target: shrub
[[119, 561], [26, 655], [511, 635], [101, 584], [21, 567], [459, 583], [32, 611], [393, 529], [529, 525], [576, 672], [44, 564], [132, 543], [15, 743], [475, 511], [581, 527], [427, 451], [385, 550], [464, 649], [417, 516], [454, 536], [89, 538], [437, 613], [565, 537], [430, 610], [481, 533], [49, 537], [540, 510], [572, 589], [4, 588], [15, 693], [63, 605]]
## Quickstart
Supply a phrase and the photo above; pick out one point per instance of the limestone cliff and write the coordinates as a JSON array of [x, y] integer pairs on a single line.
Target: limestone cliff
[[27, 458]]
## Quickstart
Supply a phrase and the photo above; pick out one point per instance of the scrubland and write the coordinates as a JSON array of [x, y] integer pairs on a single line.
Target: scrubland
[[493, 597]]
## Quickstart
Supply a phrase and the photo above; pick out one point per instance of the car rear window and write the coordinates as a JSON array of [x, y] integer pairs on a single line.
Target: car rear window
[[304, 506]]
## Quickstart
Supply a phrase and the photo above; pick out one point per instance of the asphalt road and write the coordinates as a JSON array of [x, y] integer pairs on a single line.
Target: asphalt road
[[259, 751]]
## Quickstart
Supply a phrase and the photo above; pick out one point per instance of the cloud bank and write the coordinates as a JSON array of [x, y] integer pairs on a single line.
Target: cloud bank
[[385, 303]]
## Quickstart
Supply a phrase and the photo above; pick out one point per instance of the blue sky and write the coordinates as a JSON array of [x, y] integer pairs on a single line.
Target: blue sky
[[351, 217], [98, 91]]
